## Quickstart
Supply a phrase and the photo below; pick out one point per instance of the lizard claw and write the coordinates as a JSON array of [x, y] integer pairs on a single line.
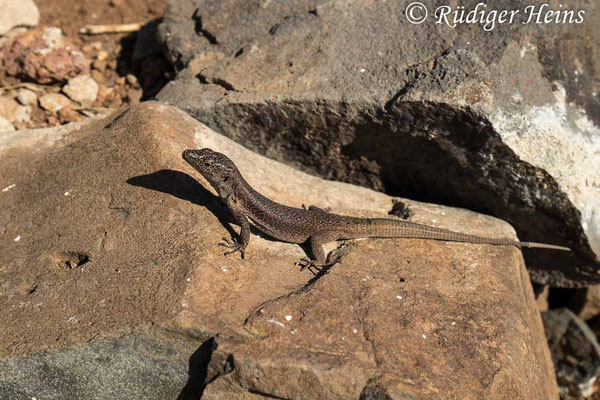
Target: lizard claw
[[234, 245], [309, 264]]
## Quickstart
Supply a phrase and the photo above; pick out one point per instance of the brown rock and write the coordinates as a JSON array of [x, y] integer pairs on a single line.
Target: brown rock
[[100, 65], [13, 111], [97, 76], [54, 101], [68, 114], [26, 97], [399, 318], [82, 89], [45, 55]]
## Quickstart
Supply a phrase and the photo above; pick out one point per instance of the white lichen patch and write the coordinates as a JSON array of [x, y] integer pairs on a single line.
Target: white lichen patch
[[562, 140]]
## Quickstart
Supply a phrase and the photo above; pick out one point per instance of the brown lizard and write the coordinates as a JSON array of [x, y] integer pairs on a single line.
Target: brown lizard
[[298, 225]]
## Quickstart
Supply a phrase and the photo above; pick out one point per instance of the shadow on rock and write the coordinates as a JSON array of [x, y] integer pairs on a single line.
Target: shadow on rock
[[183, 186], [197, 372]]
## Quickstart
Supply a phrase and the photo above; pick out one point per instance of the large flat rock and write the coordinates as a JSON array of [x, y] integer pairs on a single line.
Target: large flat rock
[[108, 237], [503, 121]]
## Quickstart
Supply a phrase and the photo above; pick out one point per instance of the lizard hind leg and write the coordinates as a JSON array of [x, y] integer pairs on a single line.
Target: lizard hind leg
[[320, 264]]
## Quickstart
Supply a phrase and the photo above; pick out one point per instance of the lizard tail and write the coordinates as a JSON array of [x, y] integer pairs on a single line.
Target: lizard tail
[[388, 228], [542, 246]]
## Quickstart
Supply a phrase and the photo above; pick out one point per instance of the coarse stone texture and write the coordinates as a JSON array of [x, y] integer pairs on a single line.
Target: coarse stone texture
[[149, 365], [82, 89], [503, 122], [17, 13], [26, 97], [6, 125], [43, 54], [54, 102], [13, 111], [115, 234]]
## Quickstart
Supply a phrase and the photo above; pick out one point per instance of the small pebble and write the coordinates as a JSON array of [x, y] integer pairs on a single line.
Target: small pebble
[[424, 336], [224, 268], [102, 55], [188, 280], [17, 238], [26, 97], [54, 102], [67, 193], [399, 297], [288, 317], [132, 80], [82, 89]]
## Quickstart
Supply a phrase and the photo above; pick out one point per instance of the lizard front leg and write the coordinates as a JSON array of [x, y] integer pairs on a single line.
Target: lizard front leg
[[234, 244]]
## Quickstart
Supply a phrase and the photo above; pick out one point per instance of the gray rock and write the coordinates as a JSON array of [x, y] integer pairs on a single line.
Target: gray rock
[[144, 364], [26, 97], [575, 353], [54, 102], [17, 12], [351, 91], [6, 125], [82, 89]]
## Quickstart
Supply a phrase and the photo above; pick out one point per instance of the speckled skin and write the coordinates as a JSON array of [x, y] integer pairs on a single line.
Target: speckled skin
[[297, 225]]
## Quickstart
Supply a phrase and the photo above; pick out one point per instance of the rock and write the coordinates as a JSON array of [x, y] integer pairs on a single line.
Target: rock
[[13, 111], [82, 89], [102, 55], [45, 55], [490, 122], [54, 101], [6, 125], [154, 362], [575, 352], [398, 317], [16, 13], [26, 97]]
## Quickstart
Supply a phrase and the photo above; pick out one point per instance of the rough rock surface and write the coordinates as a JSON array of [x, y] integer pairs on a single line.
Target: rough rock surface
[[54, 101], [105, 231], [6, 125], [44, 55], [13, 111], [149, 365], [17, 13], [575, 352], [82, 89], [503, 122], [26, 97]]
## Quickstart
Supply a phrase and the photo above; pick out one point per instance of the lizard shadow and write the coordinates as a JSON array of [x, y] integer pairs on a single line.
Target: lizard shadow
[[184, 187]]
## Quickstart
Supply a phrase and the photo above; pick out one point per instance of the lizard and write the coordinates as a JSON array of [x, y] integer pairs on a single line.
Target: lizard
[[313, 225]]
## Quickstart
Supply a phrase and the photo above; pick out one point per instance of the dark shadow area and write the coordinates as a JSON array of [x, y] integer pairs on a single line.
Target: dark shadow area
[[184, 187], [197, 372], [142, 56]]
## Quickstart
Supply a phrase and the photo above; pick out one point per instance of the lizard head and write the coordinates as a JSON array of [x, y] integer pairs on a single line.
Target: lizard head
[[215, 167]]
